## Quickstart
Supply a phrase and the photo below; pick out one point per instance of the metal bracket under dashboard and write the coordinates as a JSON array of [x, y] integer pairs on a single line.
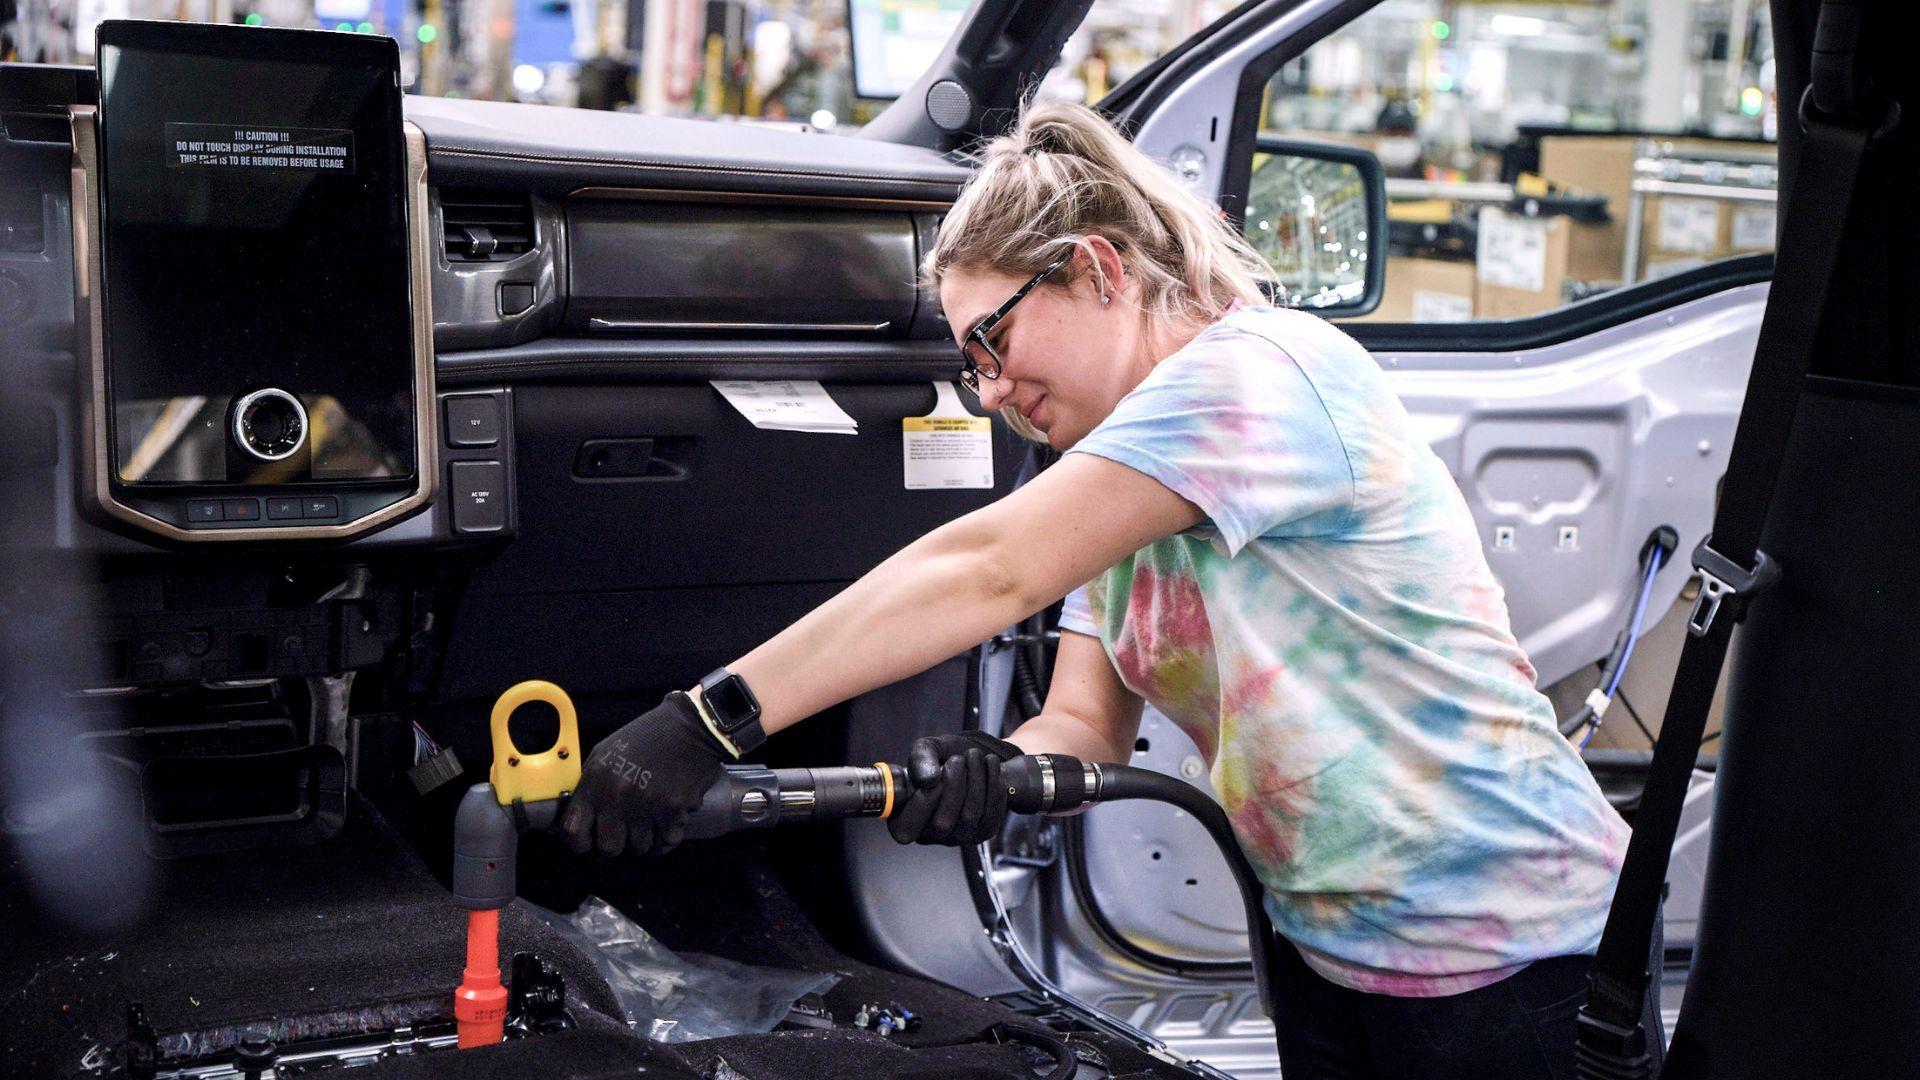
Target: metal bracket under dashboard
[[349, 520]]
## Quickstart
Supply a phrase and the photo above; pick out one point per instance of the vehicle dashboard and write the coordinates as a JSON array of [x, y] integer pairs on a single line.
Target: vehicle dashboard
[[588, 274]]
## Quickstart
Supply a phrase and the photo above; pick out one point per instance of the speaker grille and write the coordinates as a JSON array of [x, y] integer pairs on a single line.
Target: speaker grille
[[949, 105]]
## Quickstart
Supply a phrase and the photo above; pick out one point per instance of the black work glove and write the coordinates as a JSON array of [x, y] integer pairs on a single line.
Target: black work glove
[[641, 781], [957, 795]]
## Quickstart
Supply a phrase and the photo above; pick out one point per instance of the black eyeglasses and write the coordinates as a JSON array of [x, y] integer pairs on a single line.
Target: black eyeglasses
[[978, 358]]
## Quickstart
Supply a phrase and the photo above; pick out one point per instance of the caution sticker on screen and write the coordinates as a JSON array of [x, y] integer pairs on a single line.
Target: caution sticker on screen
[[235, 146], [949, 447]]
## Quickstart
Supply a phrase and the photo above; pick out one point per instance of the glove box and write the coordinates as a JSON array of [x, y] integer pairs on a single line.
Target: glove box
[[668, 269]]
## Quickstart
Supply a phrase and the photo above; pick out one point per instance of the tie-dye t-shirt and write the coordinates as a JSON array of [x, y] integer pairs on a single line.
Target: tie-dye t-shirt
[[1333, 641]]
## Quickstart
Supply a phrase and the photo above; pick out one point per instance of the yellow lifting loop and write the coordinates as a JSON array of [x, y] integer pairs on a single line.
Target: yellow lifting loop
[[548, 774]]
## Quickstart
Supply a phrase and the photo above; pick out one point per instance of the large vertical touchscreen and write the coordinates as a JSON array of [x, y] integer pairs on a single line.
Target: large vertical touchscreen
[[258, 320]]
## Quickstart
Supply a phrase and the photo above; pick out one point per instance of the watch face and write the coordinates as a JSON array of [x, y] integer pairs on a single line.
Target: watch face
[[732, 704]]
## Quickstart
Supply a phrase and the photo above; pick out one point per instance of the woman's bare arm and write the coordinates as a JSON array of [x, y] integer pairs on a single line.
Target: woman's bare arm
[[961, 583]]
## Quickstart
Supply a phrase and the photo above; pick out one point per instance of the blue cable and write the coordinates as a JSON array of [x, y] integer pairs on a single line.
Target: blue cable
[[1633, 636], [1639, 614]]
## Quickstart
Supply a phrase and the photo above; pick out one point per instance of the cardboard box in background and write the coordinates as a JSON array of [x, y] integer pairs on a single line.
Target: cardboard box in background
[[1680, 232], [1752, 226], [1702, 229], [1521, 264], [1603, 165], [1425, 291], [1707, 228]]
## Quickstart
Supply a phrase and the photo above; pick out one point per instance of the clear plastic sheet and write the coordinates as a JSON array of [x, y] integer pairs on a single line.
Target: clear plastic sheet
[[674, 997]]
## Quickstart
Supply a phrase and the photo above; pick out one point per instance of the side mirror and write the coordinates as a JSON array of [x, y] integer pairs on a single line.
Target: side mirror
[[1317, 212]]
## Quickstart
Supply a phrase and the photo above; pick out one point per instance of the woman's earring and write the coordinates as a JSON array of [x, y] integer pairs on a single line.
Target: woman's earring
[[1104, 297]]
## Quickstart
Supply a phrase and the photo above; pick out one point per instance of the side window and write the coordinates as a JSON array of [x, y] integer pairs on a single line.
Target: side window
[[1538, 153]]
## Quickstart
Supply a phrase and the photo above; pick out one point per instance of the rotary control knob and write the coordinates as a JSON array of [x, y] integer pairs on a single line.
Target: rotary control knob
[[269, 424]]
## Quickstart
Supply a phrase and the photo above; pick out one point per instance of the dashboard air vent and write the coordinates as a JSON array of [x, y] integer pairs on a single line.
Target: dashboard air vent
[[485, 226]]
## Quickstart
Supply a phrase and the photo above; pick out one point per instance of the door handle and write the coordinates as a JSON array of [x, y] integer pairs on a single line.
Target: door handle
[[627, 459]]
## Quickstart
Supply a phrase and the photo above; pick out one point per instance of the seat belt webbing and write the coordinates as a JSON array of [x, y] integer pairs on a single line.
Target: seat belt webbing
[[1612, 1043]]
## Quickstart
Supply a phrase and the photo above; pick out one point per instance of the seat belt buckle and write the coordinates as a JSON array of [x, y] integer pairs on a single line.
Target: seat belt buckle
[[1725, 583], [1604, 1050]]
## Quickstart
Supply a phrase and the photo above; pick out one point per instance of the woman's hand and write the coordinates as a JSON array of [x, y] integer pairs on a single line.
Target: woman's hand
[[957, 795], [640, 783]]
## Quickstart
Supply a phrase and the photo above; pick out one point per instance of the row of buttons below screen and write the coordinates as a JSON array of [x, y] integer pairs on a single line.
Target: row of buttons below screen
[[205, 511], [479, 502]]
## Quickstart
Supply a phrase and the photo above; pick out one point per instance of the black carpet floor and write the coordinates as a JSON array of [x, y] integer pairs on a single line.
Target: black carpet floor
[[354, 935], [342, 937]]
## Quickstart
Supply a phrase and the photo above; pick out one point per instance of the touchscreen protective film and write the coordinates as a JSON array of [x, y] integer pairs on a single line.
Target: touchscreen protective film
[[257, 315]]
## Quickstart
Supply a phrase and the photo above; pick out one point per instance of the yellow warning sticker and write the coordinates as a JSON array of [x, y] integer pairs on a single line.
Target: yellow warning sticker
[[946, 423]]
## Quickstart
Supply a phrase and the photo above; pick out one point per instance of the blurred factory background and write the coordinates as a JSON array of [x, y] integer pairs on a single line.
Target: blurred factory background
[[1455, 74], [1538, 152]]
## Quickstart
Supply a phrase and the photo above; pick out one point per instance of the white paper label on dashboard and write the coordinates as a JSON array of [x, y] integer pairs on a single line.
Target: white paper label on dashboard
[[787, 405]]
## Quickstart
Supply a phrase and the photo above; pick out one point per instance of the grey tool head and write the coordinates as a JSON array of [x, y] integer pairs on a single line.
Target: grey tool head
[[484, 844]]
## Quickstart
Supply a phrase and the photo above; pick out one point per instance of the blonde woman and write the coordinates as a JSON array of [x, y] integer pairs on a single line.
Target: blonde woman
[[1258, 542]]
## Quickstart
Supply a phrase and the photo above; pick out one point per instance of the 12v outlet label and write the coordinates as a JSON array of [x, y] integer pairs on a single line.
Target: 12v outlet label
[[230, 146]]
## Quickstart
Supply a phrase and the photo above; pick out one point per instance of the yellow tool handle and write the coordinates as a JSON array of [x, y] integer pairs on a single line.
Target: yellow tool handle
[[548, 774]]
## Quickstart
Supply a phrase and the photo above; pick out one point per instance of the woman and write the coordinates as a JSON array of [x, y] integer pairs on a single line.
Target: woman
[[1274, 558]]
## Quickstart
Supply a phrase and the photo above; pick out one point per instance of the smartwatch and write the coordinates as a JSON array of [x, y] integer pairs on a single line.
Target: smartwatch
[[733, 709]]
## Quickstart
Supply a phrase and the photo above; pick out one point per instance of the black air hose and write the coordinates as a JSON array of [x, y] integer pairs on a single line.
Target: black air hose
[[1026, 678], [753, 797], [1073, 851], [1050, 783], [1127, 782]]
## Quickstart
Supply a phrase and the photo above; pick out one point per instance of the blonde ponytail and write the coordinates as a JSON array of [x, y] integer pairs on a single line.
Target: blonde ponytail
[[1064, 174]]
